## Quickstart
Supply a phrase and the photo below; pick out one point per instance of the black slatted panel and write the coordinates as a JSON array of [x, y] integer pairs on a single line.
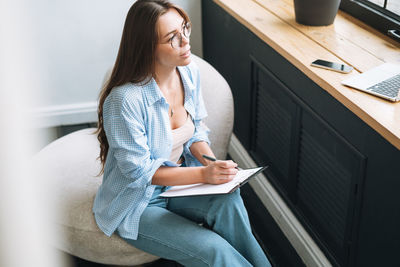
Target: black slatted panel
[[311, 165], [273, 127], [324, 187], [272, 133]]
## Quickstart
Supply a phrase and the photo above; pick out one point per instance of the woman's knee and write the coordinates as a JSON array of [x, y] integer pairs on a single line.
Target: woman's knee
[[233, 200], [227, 209], [221, 253]]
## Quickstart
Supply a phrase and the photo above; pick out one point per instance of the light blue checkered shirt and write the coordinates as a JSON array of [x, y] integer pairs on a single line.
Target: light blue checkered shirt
[[138, 130]]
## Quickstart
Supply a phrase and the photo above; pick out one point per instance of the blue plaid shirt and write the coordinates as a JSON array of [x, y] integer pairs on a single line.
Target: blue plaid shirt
[[138, 131]]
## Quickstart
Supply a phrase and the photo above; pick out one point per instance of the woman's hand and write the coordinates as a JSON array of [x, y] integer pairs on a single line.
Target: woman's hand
[[220, 172]]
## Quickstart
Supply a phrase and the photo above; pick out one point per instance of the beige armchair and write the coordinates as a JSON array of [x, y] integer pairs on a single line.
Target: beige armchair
[[71, 164]]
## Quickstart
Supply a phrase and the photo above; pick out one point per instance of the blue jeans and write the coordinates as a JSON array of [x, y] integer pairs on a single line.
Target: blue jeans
[[169, 228]]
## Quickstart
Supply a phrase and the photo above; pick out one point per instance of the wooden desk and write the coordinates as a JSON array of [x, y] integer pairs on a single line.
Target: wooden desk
[[347, 40]]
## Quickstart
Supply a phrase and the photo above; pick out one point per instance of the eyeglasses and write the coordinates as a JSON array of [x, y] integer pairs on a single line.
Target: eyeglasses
[[176, 39]]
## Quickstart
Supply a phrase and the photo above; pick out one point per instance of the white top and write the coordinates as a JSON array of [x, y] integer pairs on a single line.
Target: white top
[[180, 136]]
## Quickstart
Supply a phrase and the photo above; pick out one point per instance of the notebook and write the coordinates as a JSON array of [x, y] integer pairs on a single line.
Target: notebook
[[382, 81], [240, 179]]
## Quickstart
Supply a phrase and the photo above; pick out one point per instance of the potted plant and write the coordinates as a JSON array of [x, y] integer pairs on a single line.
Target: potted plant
[[316, 12]]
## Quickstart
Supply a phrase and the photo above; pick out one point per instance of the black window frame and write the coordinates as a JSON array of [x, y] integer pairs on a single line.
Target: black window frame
[[379, 18]]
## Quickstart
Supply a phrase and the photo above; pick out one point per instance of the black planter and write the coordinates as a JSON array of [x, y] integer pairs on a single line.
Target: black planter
[[316, 12]]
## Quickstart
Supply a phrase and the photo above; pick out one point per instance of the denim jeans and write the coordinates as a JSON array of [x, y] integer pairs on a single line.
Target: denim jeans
[[169, 228]]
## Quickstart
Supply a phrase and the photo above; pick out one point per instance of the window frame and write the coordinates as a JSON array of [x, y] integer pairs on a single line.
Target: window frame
[[377, 17]]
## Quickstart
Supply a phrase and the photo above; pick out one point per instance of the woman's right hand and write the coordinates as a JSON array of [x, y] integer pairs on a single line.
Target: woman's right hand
[[220, 172]]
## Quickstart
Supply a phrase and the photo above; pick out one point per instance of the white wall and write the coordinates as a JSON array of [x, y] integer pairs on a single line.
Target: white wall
[[77, 41]]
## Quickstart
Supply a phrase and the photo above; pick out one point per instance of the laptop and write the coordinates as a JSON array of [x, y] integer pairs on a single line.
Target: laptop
[[382, 81]]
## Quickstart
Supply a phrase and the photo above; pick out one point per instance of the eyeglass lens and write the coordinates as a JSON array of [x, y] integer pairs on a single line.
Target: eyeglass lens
[[176, 41]]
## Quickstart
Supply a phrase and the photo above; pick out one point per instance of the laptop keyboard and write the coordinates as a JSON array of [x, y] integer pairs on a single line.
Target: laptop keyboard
[[389, 87]]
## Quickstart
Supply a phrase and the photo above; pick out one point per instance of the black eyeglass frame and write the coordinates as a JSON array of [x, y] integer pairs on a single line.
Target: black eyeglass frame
[[186, 31]]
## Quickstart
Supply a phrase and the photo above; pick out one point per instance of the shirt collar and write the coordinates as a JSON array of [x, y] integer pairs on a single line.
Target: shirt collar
[[187, 82], [153, 92]]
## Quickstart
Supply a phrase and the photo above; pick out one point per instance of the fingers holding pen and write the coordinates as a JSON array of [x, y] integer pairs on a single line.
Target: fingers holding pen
[[227, 164], [222, 163], [226, 167], [220, 171]]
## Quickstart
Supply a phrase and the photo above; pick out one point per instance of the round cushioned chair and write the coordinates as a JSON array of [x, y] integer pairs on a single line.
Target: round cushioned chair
[[71, 165]]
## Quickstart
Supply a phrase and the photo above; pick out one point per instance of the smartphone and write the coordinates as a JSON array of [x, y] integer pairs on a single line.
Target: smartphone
[[332, 66]]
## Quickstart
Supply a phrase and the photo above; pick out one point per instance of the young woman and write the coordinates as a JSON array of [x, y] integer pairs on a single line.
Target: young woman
[[152, 136]]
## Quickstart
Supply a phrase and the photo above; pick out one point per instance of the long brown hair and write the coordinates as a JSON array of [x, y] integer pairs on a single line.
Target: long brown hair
[[136, 56]]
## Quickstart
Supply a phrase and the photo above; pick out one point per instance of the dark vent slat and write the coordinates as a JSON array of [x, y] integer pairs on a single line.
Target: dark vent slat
[[329, 162], [275, 115], [322, 194], [273, 130], [282, 139], [336, 232], [312, 169], [275, 123], [309, 165]]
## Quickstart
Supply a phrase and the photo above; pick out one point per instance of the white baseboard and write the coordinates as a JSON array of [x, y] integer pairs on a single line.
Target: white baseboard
[[69, 114], [304, 245]]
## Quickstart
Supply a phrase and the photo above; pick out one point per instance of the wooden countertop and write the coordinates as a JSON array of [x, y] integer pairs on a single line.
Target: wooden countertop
[[347, 40]]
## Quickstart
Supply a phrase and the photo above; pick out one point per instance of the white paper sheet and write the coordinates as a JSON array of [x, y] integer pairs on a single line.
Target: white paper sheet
[[209, 189]]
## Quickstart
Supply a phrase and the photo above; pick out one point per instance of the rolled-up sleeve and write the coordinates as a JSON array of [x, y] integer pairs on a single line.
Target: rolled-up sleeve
[[126, 135]]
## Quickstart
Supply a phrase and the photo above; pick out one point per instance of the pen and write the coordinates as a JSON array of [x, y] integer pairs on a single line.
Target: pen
[[214, 159], [209, 158]]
